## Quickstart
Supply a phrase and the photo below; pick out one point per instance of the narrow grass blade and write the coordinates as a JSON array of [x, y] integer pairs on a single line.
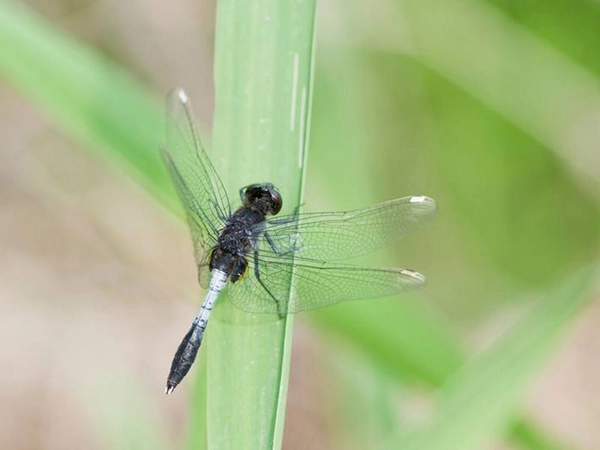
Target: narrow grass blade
[[513, 71], [263, 77], [91, 98], [479, 404]]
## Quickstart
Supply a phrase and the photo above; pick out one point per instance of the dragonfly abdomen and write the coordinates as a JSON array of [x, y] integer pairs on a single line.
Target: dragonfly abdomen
[[190, 344]]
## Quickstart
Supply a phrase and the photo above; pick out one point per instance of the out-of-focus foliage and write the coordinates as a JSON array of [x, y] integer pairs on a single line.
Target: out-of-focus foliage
[[480, 400]]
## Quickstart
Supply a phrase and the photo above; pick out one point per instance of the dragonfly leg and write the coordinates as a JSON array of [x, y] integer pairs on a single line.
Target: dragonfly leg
[[258, 277], [277, 250], [272, 244]]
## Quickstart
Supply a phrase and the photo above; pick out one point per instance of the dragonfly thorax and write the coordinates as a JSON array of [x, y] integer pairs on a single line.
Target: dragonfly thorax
[[236, 240], [239, 233]]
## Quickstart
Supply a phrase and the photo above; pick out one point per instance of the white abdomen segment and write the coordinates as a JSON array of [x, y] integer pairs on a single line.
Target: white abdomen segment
[[188, 349]]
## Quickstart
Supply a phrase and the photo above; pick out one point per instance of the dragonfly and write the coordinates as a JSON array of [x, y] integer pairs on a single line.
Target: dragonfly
[[275, 264]]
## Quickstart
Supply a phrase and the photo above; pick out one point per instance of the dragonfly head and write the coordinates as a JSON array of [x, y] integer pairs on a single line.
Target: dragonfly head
[[263, 196]]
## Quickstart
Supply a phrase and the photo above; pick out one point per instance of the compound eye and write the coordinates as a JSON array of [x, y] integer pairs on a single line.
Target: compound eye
[[276, 201]]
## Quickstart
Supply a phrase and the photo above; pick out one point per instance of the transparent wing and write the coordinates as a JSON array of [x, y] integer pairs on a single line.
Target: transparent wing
[[340, 235], [314, 284], [198, 185]]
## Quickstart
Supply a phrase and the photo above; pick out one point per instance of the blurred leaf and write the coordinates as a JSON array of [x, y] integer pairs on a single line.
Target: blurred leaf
[[423, 351], [365, 399], [403, 338], [511, 70], [512, 123], [505, 185], [528, 436], [479, 403], [575, 35], [122, 414], [90, 97]]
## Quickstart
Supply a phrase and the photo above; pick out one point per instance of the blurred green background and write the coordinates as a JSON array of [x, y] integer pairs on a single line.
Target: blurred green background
[[490, 107]]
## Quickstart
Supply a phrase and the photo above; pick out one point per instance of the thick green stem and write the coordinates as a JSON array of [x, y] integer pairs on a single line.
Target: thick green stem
[[263, 82]]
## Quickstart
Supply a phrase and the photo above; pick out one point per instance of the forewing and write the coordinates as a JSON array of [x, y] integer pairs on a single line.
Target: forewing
[[314, 285], [341, 235], [198, 185]]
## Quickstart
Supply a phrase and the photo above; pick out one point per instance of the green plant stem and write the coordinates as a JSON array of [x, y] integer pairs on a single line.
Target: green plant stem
[[263, 84]]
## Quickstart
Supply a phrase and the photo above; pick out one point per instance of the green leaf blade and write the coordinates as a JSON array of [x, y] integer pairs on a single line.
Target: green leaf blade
[[263, 80], [479, 404]]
